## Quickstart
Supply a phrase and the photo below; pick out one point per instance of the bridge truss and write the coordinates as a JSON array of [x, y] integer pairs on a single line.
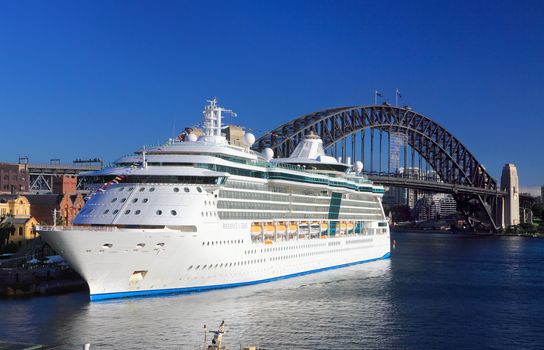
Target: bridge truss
[[413, 141]]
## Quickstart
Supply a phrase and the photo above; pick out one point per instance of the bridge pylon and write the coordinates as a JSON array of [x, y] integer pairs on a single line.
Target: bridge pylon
[[510, 203]]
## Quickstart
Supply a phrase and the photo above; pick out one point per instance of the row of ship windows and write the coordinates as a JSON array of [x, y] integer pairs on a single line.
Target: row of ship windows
[[277, 258], [232, 241], [152, 189], [136, 212], [355, 241], [281, 249], [312, 253], [236, 263]]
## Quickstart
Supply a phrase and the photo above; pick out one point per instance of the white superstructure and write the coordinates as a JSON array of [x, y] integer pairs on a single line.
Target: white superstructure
[[199, 214]]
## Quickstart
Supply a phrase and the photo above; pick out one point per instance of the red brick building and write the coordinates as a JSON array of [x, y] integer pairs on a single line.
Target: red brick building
[[67, 207], [65, 184], [13, 178]]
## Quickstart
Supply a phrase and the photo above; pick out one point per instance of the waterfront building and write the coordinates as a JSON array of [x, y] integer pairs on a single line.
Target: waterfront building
[[14, 205], [13, 178], [434, 206], [447, 206], [65, 184], [44, 206], [24, 229]]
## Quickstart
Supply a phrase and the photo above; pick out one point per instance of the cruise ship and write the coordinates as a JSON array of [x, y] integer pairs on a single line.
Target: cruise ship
[[199, 213]]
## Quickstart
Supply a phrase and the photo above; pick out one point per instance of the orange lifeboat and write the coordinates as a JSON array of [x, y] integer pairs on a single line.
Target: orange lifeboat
[[292, 228], [281, 228], [256, 229], [269, 229]]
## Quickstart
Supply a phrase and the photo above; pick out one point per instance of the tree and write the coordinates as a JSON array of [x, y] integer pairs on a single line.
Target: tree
[[538, 210], [5, 231]]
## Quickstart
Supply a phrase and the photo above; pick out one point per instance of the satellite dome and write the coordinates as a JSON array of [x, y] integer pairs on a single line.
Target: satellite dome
[[191, 137], [268, 153], [358, 166], [249, 139]]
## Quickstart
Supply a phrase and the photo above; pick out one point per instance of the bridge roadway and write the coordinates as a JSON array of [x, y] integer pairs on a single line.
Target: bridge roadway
[[431, 185]]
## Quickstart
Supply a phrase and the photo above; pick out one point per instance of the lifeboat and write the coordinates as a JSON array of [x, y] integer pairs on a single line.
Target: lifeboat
[[350, 226], [281, 228], [303, 229], [342, 227], [315, 228], [292, 228], [256, 230], [269, 230], [324, 226]]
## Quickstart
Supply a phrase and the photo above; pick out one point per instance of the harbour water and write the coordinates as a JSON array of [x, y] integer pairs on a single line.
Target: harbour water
[[438, 291]]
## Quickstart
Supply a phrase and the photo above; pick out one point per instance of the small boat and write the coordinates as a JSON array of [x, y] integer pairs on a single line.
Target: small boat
[[217, 340]]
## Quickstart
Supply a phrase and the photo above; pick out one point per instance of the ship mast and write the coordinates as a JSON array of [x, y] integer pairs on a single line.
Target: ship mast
[[212, 121]]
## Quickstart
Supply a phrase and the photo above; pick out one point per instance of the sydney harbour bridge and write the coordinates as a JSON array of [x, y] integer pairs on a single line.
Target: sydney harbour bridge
[[387, 138]]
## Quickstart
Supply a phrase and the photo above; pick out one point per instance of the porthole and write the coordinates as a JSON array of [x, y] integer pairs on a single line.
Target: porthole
[[127, 212], [186, 189], [121, 189], [176, 189], [144, 200], [142, 189], [131, 189], [152, 189], [106, 211], [134, 200], [123, 200], [115, 211], [173, 212], [114, 200], [137, 212], [199, 189], [159, 212]]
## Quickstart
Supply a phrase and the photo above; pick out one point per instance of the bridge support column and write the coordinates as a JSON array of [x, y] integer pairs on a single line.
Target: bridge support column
[[510, 204]]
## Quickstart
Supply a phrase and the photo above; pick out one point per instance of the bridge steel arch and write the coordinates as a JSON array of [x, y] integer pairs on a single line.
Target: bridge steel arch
[[448, 157]]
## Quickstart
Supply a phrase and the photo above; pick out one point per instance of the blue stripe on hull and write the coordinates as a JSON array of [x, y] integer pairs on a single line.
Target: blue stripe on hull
[[139, 293]]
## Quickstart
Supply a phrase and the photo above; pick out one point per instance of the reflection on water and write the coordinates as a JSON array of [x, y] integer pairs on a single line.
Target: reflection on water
[[437, 291]]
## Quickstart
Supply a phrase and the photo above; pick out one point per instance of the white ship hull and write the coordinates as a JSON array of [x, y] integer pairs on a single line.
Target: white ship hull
[[131, 262]]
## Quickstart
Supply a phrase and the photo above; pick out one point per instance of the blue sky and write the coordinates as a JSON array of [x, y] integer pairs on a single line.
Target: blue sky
[[101, 78]]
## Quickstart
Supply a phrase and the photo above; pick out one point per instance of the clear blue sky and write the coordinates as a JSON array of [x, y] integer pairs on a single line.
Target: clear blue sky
[[101, 78]]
